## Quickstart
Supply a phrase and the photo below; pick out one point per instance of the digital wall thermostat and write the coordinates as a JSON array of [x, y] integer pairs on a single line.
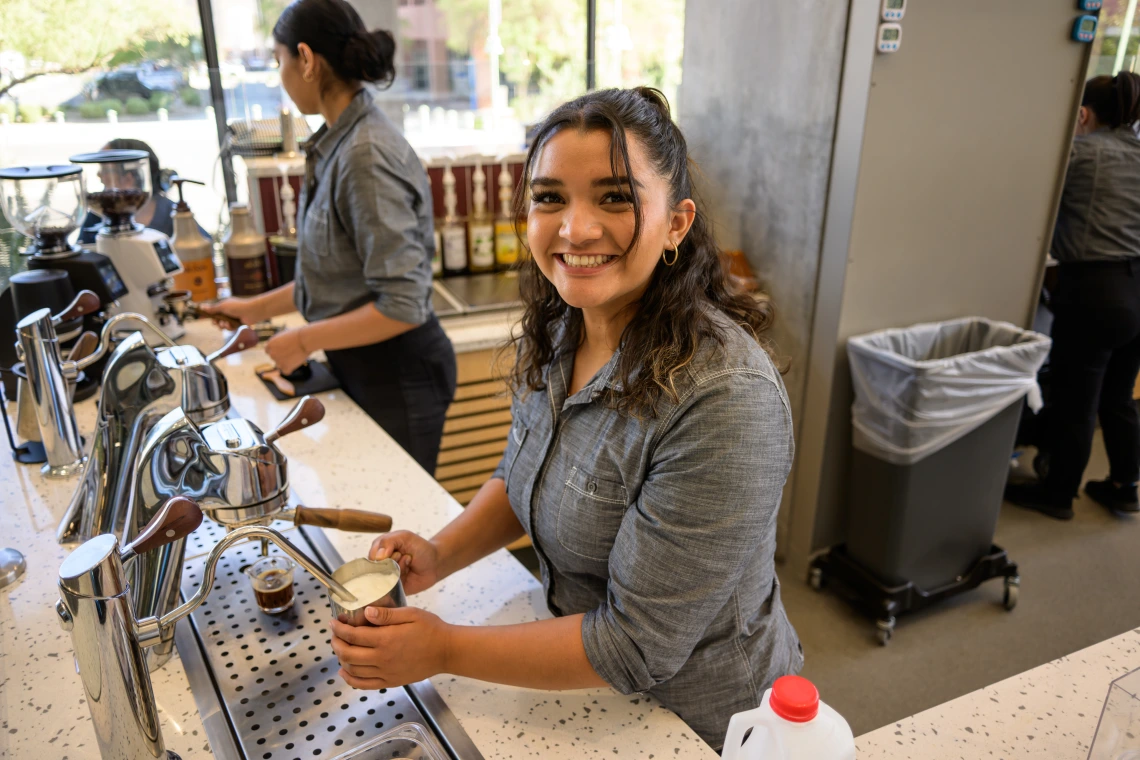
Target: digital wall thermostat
[[1090, 5], [890, 37], [1084, 28], [893, 10]]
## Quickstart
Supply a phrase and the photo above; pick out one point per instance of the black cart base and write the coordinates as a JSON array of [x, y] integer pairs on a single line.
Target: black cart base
[[884, 603]]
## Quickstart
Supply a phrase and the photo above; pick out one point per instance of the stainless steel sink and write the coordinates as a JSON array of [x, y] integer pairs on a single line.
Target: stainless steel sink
[[267, 685], [475, 293]]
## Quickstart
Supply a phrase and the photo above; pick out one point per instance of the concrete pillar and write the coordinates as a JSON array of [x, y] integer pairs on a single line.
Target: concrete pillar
[[758, 100]]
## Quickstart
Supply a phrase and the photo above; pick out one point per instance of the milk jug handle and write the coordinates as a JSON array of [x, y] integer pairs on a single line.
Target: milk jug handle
[[738, 726]]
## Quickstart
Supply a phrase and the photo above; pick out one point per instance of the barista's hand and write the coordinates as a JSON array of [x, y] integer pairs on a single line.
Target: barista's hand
[[403, 645], [238, 308], [286, 350], [418, 558]]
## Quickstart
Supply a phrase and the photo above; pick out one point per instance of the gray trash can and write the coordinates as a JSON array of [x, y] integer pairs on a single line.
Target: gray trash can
[[934, 420]]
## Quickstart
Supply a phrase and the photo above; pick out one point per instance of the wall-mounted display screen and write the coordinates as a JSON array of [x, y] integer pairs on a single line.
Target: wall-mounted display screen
[[889, 35]]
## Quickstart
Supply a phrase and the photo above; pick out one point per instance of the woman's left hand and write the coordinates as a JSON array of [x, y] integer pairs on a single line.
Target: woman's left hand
[[286, 351], [403, 645]]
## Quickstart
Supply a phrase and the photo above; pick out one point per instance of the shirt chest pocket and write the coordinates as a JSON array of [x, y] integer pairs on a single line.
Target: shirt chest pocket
[[590, 514], [317, 232]]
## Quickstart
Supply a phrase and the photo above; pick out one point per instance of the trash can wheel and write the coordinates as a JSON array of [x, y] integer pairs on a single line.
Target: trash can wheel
[[885, 629], [1010, 594]]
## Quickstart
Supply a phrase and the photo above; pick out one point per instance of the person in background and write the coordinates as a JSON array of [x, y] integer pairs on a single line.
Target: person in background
[[157, 213], [650, 441], [365, 235], [1096, 330]]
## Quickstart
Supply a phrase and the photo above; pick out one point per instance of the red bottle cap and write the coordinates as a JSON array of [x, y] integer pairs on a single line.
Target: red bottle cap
[[795, 699]]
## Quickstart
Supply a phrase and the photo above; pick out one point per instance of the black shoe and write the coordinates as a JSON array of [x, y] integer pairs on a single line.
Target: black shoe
[[1035, 496], [1120, 500]]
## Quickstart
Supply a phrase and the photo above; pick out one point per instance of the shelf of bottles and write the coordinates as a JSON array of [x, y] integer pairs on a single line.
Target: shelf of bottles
[[475, 228], [472, 199]]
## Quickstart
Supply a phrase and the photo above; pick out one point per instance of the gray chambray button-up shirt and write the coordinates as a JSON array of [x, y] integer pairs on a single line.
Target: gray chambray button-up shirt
[[663, 530], [366, 233], [1098, 218]]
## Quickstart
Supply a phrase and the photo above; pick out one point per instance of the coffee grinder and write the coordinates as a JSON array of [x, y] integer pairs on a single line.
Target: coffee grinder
[[118, 184], [45, 204]]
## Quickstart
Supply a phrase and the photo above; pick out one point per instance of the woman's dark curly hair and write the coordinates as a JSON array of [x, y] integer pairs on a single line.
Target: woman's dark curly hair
[[673, 316]]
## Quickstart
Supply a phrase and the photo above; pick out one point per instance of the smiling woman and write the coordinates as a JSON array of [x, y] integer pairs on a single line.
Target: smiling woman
[[611, 189], [649, 445]]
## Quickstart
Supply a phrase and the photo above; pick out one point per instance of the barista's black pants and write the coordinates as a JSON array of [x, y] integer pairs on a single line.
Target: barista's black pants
[[1093, 367], [405, 384]]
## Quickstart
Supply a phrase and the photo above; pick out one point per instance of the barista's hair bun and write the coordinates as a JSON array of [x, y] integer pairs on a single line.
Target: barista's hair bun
[[334, 30]]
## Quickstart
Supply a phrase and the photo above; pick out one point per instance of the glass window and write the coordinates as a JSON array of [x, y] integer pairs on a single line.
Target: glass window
[[72, 82], [1116, 43], [473, 73], [639, 42]]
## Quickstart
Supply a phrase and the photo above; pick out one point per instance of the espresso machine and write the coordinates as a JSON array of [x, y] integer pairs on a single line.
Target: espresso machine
[[112, 636], [239, 478], [141, 383], [118, 183]]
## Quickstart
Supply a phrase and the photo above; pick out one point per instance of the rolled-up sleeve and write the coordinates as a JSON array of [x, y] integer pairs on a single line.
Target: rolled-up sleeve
[[378, 209], [705, 509]]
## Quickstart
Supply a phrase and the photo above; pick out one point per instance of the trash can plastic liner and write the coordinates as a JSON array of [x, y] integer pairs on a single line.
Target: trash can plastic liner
[[919, 389]]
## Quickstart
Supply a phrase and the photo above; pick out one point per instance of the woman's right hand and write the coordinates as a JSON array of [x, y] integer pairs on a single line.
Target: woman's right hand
[[243, 309], [418, 558]]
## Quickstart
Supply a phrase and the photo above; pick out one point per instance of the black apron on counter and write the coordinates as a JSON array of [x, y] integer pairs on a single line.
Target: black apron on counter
[[405, 384]]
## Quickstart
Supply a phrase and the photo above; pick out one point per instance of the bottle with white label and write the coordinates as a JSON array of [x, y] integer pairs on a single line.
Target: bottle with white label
[[453, 233], [480, 230], [437, 238], [506, 239]]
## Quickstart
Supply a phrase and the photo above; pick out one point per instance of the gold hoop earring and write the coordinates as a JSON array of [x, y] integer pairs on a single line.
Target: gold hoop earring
[[676, 253], [307, 77]]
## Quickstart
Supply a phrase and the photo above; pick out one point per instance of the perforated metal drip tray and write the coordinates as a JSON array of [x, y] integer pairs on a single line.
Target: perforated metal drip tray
[[267, 685]]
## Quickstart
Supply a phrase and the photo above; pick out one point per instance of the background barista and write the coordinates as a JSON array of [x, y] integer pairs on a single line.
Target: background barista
[[365, 237]]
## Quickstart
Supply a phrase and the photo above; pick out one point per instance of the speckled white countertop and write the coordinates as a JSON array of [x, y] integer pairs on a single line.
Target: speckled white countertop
[[344, 461], [1050, 712]]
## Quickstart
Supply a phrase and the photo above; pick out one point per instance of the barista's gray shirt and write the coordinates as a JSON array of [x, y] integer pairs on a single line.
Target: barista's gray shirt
[[663, 530], [1099, 215], [365, 232]]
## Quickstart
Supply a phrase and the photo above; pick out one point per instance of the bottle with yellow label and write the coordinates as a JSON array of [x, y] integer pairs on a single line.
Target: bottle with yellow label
[[506, 239], [195, 251]]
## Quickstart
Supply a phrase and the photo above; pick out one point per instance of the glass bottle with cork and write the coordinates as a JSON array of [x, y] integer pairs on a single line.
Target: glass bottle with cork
[[453, 232], [480, 230], [506, 239], [195, 251]]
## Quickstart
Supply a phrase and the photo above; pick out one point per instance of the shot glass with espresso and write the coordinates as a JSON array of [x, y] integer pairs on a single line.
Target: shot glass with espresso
[[272, 581]]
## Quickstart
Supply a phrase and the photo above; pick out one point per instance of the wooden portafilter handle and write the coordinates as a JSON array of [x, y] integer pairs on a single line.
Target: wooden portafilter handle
[[245, 337], [353, 520], [308, 411], [85, 303], [178, 518], [83, 347], [231, 323]]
